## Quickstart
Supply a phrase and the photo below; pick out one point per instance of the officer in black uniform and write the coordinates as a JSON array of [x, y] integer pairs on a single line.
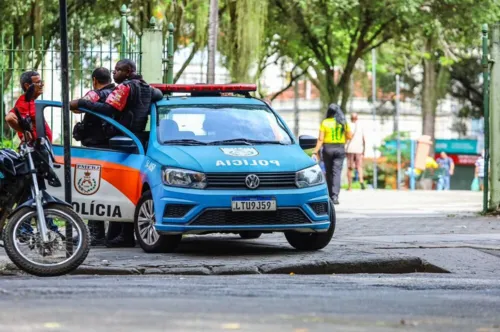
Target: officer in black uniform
[[92, 132], [129, 104]]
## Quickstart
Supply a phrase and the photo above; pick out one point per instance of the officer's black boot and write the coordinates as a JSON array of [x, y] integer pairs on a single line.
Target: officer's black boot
[[96, 229], [125, 239], [114, 229]]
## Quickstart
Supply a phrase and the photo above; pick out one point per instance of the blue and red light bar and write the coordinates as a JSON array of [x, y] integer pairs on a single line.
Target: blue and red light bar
[[241, 88]]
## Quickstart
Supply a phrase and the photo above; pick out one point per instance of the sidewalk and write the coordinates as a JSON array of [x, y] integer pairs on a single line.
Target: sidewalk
[[370, 203], [377, 232]]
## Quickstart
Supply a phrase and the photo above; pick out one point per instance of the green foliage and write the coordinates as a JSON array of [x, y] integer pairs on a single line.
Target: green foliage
[[6, 144], [466, 85], [387, 164], [390, 153], [241, 41], [320, 35], [368, 174], [355, 185]]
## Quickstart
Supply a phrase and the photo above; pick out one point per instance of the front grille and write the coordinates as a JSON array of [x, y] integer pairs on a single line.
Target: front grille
[[237, 180], [229, 218], [176, 210], [319, 208]]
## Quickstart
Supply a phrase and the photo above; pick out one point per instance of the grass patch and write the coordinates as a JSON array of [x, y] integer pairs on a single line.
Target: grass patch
[[355, 185]]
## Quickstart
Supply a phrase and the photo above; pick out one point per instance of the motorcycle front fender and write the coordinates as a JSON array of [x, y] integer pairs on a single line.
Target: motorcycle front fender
[[46, 200]]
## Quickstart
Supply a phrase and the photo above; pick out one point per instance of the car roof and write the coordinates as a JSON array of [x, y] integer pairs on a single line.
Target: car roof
[[190, 100]]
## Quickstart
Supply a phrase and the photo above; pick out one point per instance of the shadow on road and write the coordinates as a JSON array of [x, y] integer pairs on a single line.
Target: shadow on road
[[231, 246]]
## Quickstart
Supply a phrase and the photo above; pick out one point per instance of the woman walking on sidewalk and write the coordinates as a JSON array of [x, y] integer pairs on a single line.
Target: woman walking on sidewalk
[[333, 133]]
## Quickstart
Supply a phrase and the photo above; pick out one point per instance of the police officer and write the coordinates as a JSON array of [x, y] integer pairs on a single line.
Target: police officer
[[92, 133], [92, 130], [333, 133], [129, 104]]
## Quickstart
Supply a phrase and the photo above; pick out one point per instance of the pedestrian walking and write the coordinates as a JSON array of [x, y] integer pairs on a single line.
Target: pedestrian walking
[[446, 170], [479, 171], [333, 133], [355, 149]]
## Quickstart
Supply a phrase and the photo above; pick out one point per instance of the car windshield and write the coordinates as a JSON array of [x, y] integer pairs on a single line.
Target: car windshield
[[219, 124]]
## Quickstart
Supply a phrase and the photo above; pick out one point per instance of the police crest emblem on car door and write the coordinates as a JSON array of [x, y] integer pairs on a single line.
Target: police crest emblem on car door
[[87, 179]]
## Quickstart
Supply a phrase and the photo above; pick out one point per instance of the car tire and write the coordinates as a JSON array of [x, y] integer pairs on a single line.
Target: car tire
[[144, 220], [248, 235], [313, 241]]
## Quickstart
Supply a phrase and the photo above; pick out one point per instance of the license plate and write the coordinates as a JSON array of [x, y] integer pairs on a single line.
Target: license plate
[[240, 204]]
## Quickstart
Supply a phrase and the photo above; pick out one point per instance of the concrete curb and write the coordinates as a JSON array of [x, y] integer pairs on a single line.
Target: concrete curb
[[375, 265]]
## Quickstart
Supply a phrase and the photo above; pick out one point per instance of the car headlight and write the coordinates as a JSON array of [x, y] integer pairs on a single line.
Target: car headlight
[[309, 177], [177, 177]]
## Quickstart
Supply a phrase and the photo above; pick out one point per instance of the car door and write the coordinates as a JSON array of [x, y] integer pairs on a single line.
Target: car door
[[105, 182]]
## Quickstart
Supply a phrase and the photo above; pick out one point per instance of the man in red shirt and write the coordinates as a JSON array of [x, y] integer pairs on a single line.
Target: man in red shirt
[[27, 109]]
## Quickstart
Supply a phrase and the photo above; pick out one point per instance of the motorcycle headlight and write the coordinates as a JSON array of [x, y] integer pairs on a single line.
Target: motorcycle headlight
[[309, 177], [177, 177]]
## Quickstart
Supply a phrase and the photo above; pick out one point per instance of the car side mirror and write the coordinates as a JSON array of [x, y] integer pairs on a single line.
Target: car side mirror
[[307, 142], [123, 143]]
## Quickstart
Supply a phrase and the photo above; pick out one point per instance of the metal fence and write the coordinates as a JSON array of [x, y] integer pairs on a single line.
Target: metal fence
[[45, 59]]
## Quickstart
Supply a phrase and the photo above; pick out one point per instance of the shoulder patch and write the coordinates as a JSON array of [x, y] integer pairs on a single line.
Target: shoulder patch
[[92, 96], [118, 98]]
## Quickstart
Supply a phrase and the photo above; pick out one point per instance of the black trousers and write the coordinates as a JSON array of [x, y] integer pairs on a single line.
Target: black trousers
[[333, 157], [96, 227]]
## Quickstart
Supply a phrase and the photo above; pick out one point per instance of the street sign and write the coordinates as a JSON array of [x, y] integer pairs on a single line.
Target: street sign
[[457, 146]]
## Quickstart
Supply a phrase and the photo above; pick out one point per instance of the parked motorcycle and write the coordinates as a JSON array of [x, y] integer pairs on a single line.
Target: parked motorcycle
[[32, 222]]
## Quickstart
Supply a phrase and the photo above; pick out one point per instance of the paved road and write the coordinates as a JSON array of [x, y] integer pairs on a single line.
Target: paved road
[[442, 228], [251, 303]]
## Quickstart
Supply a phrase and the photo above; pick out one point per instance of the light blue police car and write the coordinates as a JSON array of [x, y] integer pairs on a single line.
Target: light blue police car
[[214, 160]]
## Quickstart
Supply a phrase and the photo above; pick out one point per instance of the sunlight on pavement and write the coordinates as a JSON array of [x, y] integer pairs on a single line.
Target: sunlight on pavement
[[52, 325], [231, 326]]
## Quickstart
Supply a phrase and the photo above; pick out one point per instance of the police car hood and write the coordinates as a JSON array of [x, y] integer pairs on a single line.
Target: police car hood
[[258, 158]]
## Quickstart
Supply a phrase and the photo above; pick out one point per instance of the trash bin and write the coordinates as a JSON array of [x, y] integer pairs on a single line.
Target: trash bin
[[424, 144]]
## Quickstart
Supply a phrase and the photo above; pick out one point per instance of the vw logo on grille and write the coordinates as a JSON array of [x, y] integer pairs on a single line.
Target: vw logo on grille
[[252, 181]]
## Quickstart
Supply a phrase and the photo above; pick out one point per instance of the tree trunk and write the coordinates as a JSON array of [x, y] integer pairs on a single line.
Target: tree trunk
[[329, 93], [212, 40], [345, 82], [429, 97], [328, 97]]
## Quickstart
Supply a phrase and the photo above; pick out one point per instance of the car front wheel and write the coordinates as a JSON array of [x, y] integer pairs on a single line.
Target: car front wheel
[[144, 225], [313, 241]]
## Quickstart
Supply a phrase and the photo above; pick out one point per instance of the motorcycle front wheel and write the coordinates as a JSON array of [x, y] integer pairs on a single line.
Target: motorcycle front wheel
[[24, 246]]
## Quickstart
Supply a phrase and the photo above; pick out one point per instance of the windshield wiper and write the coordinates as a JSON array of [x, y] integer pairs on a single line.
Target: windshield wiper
[[186, 141], [237, 141]]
